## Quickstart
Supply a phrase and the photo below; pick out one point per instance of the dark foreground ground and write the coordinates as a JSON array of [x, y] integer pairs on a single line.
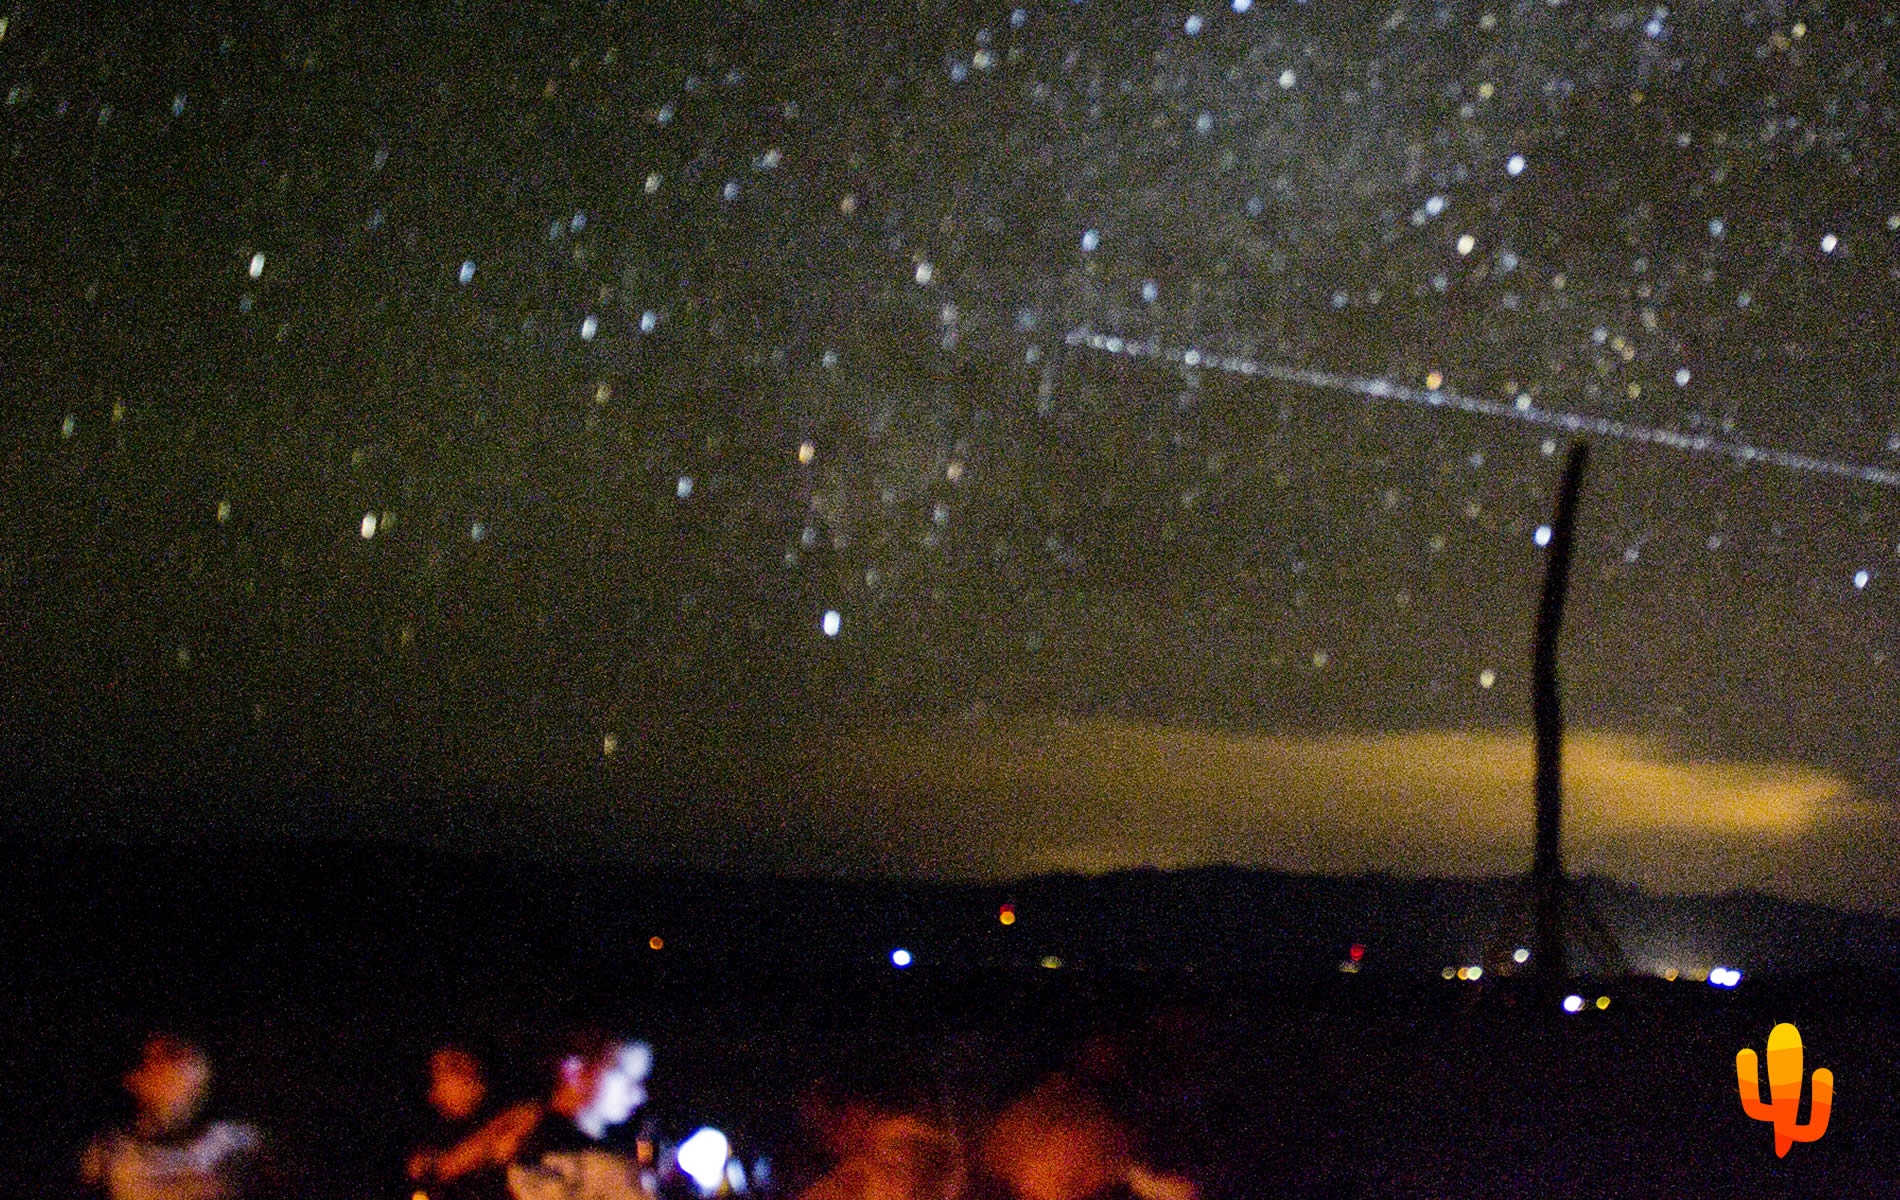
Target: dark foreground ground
[[319, 998]]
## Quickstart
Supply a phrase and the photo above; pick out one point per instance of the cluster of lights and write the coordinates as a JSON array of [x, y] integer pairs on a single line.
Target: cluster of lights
[[1725, 976], [1469, 974], [1574, 1003]]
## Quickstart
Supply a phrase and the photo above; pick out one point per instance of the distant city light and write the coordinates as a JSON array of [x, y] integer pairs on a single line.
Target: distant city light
[[1603, 1002], [1007, 914], [1725, 976], [656, 942], [1514, 165], [1450, 973], [1477, 973], [1573, 1004], [257, 265], [703, 1157], [1670, 974], [900, 958], [1356, 952], [369, 525], [1051, 963], [1542, 536], [1520, 955], [832, 623]]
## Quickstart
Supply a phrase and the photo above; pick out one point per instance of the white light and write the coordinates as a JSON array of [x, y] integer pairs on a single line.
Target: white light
[[1514, 165], [1193, 24], [1434, 205], [257, 265], [1682, 377], [477, 532], [1724, 976], [1861, 578], [1520, 955], [1476, 973], [1487, 677], [924, 273], [1828, 242], [1241, 6], [900, 958], [1573, 1003], [1542, 536], [832, 623], [703, 1156], [653, 182], [684, 488], [1466, 243], [649, 320], [1288, 78], [589, 328], [369, 525], [468, 271], [1716, 227], [1090, 240]]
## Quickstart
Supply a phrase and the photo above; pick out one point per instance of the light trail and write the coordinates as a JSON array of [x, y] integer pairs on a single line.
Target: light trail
[[1520, 410]]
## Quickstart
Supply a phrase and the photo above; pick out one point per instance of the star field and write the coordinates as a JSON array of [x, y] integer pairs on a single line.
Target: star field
[[427, 417]]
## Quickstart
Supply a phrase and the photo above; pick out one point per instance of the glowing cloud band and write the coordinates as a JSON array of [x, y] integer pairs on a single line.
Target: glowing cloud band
[[1570, 422]]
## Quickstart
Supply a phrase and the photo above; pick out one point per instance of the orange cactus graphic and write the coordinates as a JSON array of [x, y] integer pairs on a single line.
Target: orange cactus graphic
[[1784, 1089]]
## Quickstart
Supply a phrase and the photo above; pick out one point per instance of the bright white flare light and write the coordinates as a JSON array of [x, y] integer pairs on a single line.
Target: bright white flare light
[[703, 1156], [1542, 536], [832, 623], [1520, 955], [1725, 976], [1573, 1004], [900, 958]]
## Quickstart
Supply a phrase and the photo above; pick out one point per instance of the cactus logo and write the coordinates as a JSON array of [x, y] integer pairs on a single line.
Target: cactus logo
[[1784, 1089]]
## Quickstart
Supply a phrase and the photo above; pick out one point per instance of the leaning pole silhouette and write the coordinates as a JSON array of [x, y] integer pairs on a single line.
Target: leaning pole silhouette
[[1547, 864]]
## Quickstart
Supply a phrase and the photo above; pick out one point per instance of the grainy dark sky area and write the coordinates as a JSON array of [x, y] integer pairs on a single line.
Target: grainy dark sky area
[[857, 437]]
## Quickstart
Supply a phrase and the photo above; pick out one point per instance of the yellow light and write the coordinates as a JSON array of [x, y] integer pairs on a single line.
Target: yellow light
[[1052, 963], [1603, 1002], [1007, 916], [1447, 973], [1670, 974], [656, 942], [1464, 972], [1434, 381], [806, 452]]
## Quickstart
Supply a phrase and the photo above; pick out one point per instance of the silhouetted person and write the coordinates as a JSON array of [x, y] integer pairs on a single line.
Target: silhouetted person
[[553, 1149], [1061, 1142], [169, 1151], [458, 1100], [883, 1141]]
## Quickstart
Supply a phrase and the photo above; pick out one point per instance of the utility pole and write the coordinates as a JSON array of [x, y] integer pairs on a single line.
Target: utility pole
[[1547, 865]]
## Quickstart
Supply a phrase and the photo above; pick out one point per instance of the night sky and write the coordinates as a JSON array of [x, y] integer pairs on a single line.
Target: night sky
[[859, 437]]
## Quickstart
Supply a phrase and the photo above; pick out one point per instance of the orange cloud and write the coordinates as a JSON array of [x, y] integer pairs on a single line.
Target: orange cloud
[[1009, 796]]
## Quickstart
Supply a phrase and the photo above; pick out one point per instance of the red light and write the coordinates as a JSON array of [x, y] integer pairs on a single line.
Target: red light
[[1007, 914], [1357, 952]]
